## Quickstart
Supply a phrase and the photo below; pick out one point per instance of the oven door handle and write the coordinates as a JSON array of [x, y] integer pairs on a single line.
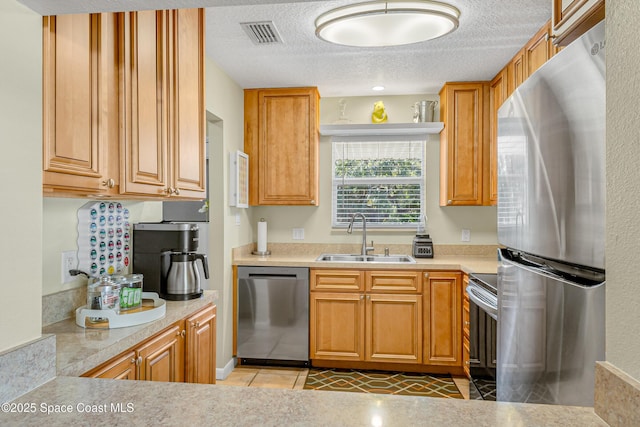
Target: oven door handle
[[474, 296]]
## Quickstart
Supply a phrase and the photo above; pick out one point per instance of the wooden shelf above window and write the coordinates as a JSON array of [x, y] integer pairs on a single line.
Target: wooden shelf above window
[[413, 129]]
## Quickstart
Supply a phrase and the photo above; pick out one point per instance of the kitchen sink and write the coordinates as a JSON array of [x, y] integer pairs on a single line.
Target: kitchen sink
[[366, 258]]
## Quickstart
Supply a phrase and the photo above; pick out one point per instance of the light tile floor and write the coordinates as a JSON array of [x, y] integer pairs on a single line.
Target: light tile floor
[[266, 377], [292, 378]]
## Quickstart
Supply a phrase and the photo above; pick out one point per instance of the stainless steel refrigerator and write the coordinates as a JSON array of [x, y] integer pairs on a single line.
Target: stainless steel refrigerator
[[551, 224]]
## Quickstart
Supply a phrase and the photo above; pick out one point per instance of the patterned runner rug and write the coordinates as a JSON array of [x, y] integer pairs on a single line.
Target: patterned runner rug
[[382, 382]]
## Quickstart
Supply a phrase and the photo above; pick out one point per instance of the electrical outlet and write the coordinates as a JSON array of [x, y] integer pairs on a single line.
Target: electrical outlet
[[68, 263], [237, 219], [298, 234], [466, 235]]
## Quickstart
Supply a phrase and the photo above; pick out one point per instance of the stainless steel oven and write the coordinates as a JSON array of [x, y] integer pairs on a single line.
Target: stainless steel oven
[[483, 328]]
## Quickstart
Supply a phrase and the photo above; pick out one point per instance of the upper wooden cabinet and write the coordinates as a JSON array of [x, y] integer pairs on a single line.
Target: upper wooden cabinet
[[538, 50], [515, 72], [123, 104], [464, 143], [282, 141], [497, 95], [80, 104], [164, 144], [572, 18]]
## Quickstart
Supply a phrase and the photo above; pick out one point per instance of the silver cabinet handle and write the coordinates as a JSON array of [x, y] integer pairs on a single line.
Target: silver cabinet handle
[[361, 297], [183, 333], [449, 202], [312, 202], [368, 297]]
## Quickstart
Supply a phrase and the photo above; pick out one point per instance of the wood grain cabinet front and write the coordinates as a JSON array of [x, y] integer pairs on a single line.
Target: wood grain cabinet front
[[282, 141], [80, 104], [464, 143], [380, 324], [572, 18], [184, 351], [123, 105], [443, 318]]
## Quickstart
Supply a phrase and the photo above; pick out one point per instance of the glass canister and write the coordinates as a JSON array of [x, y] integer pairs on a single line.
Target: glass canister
[[131, 292], [103, 293]]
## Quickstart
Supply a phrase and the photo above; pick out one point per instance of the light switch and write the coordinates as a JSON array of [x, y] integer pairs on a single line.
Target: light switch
[[466, 235]]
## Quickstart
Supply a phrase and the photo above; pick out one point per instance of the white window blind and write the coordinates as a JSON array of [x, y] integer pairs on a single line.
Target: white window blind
[[382, 179]]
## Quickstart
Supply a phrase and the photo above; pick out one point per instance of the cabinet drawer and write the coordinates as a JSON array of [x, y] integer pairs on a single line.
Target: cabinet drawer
[[394, 281], [336, 280]]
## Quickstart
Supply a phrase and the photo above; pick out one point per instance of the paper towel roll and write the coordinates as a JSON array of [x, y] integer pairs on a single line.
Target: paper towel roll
[[262, 236]]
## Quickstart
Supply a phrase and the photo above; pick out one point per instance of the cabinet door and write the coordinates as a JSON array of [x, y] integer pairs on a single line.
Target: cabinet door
[[515, 73], [281, 138], [162, 357], [187, 104], [572, 18], [462, 143], [394, 328], [538, 50], [336, 326], [466, 323], [80, 103], [443, 329], [201, 347], [143, 163], [122, 367], [497, 95]]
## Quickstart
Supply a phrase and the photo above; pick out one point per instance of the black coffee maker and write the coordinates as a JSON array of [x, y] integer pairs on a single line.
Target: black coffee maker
[[166, 255]]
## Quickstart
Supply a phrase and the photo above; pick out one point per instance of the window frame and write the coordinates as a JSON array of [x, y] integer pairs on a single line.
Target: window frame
[[419, 180]]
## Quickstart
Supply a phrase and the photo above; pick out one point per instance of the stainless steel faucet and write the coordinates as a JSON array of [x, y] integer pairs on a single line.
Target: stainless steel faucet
[[365, 248]]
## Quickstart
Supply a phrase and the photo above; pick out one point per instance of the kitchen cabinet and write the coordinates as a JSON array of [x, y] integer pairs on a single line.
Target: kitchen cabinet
[[201, 347], [515, 72], [538, 50], [466, 357], [572, 18], [80, 104], [162, 357], [282, 141], [464, 144], [184, 351], [368, 316], [164, 143], [123, 98], [443, 318], [497, 95]]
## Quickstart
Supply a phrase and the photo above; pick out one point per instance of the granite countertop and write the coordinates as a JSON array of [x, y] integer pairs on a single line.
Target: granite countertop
[[78, 349], [466, 263], [98, 402]]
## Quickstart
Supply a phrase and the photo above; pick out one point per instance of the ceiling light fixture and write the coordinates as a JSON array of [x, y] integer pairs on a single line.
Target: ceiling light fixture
[[387, 23]]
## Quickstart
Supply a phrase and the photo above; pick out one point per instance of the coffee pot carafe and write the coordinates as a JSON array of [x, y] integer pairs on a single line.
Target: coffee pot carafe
[[183, 279]]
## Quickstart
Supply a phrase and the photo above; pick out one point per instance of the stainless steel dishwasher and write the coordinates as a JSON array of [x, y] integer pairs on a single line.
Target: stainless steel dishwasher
[[273, 316]]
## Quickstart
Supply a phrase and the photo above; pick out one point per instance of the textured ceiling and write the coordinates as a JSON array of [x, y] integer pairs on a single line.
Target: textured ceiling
[[490, 33]]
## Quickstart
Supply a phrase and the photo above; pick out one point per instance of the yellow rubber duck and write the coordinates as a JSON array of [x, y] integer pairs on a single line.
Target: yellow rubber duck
[[378, 115]]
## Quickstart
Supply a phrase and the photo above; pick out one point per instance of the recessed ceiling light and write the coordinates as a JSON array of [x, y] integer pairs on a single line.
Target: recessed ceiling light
[[387, 23], [377, 88]]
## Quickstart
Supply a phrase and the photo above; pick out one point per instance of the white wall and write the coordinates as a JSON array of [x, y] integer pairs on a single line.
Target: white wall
[[20, 174], [60, 233], [445, 223], [623, 184], [225, 101]]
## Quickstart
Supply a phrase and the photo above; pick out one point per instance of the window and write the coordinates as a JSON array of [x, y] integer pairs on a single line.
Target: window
[[382, 179]]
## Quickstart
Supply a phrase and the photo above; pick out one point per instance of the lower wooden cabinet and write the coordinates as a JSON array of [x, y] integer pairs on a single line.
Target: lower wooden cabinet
[[201, 347], [382, 326], [466, 364], [443, 318], [183, 351], [162, 357]]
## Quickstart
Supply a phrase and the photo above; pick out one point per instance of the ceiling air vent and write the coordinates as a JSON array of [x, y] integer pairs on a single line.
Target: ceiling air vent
[[264, 32]]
